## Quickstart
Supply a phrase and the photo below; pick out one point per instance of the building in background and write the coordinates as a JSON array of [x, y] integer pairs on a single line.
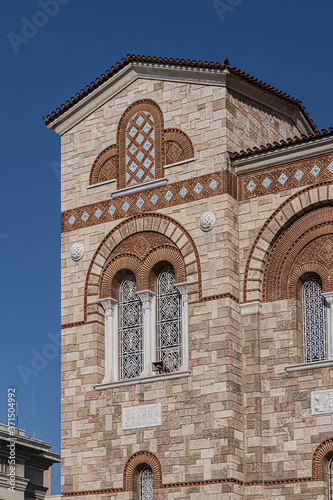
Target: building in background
[[33, 461], [197, 285]]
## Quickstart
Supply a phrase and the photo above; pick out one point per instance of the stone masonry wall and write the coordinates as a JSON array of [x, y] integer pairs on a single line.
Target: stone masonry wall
[[238, 414]]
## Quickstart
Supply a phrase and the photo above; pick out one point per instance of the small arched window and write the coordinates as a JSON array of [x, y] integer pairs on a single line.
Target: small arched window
[[169, 321], [130, 330], [140, 148], [330, 478], [146, 484], [314, 321]]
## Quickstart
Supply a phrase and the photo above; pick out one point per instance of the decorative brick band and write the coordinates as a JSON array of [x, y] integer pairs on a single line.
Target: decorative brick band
[[288, 176], [319, 465], [153, 199], [188, 484]]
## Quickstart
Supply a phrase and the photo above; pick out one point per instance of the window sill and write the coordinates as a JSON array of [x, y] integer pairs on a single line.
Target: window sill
[[309, 366], [101, 183], [143, 380], [136, 188], [179, 163]]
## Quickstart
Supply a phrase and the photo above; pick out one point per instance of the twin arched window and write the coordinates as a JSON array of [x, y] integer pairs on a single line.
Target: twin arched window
[[152, 321], [130, 330], [315, 310]]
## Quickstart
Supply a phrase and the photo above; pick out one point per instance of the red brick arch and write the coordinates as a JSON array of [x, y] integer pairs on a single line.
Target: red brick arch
[[108, 285], [320, 460], [155, 111], [164, 254], [306, 200], [300, 247], [135, 464], [176, 246], [105, 167], [177, 146]]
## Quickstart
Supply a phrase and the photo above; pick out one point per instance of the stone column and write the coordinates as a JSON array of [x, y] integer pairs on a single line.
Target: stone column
[[111, 339], [182, 288], [149, 331]]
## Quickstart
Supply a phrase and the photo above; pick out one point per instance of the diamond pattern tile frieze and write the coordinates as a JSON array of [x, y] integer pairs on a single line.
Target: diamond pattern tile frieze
[[289, 176], [149, 200]]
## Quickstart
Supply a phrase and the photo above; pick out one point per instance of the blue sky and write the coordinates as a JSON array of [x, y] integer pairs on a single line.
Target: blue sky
[[50, 49]]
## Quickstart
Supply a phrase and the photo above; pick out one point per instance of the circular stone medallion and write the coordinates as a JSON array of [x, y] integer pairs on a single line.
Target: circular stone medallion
[[77, 250], [207, 221]]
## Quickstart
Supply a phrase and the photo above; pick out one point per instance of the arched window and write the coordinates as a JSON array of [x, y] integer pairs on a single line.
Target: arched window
[[330, 478], [140, 148], [314, 321], [130, 330], [169, 321], [146, 484]]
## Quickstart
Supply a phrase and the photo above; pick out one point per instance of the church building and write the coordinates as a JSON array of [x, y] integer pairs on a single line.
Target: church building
[[197, 287]]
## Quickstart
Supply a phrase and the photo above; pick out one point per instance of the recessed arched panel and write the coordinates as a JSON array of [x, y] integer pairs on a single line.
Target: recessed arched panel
[[308, 200], [137, 244], [140, 143], [135, 464]]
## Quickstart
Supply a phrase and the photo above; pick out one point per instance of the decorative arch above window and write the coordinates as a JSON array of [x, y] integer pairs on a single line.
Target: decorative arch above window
[[144, 296], [143, 148]]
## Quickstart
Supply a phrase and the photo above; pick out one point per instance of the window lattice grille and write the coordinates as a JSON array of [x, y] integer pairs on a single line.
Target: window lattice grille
[[168, 321], [314, 321], [130, 330], [330, 478], [140, 148], [146, 484]]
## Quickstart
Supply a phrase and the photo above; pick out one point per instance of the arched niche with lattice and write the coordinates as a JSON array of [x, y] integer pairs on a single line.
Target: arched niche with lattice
[[143, 148]]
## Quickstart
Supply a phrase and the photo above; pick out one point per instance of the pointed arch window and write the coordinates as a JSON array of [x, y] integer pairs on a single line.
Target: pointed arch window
[[140, 148], [169, 321], [130, 330], [314, 321], [146, 484]]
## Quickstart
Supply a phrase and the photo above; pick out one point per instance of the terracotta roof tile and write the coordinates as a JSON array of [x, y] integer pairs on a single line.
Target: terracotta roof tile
[[178, 62], [278, 145]]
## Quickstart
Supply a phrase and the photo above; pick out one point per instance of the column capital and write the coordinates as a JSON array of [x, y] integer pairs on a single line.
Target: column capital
[[182, 288], [146, 297], [108, 305], [329, 297]]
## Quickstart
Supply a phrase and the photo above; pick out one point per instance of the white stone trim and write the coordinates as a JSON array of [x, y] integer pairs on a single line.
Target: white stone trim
[[149, 337], [280, 156], [329, 322], [101, 183], [171, 72], [250, 308], [322, 402], [179, 163], [145, 380], [309, 366], [139, 187], [138, 417], [110, 307], [182, 287]]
